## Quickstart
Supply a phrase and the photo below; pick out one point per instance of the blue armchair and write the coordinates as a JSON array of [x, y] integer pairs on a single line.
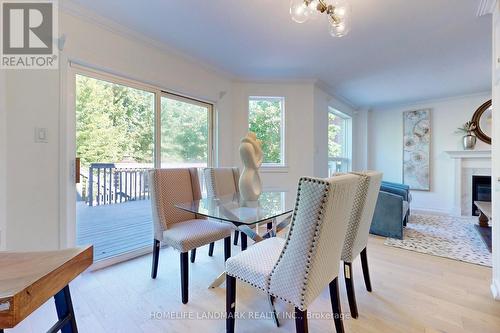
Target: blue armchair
[[392, 210]]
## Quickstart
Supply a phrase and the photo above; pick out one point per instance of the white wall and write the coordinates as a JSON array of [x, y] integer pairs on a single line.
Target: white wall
[[496, 153], [306, 126], [35, 216], [322, 102], [3, 157], [299, 138], [385, 145]]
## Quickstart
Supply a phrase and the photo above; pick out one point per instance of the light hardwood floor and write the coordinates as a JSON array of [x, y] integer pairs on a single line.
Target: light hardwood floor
[[412, 292]]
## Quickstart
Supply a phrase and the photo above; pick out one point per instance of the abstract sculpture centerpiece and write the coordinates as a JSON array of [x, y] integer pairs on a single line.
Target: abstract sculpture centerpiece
[[252, 157]]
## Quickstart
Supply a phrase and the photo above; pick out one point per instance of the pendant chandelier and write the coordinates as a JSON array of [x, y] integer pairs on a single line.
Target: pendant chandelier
[[338, 13]]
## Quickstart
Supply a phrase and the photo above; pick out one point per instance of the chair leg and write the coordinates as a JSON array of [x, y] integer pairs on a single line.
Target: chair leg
[[193, 255], [301, 321], [156, 256], [236, 236], [211, 249], [230, 303], [227, 248], [184, 277], [336, 307], [366, 271], [349, 284], [273, 309], [244, 241]]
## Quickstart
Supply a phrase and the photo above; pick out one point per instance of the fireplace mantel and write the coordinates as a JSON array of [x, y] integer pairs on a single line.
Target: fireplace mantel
[[483, 154], [467, 164]]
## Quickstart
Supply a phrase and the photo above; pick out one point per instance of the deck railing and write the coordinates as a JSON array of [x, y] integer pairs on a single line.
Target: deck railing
[[108, 183]]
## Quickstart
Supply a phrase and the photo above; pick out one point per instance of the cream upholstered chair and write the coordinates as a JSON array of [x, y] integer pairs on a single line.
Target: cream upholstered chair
[[221, 182], [357, 232], [179, 229], [298, 268]]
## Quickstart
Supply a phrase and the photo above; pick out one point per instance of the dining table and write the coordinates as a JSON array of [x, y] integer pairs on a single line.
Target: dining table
[[272, 209]]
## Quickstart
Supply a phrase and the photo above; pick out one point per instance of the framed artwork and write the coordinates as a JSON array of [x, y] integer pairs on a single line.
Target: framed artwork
[[416, 149]]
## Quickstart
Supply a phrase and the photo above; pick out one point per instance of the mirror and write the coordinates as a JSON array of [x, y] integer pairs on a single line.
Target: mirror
[[483, 119]]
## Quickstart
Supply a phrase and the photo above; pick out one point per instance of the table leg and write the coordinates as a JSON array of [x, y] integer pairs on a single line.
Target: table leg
[[218, 281], [246, 233], [483, 220], [65, 313], [244, 241]]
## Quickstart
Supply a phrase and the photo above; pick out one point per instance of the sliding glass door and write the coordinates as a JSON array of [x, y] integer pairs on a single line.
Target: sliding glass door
[[123, 130]]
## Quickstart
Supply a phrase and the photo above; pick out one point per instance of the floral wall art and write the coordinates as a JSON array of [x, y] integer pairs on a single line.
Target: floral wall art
[[416, 149]]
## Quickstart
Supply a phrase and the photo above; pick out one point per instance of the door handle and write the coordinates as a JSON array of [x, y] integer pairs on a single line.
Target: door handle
[[77, 170]]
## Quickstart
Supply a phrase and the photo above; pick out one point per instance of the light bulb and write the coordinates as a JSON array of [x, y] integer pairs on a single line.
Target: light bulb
[[299, 11], [340, 11], [340, 23], [313, 8]]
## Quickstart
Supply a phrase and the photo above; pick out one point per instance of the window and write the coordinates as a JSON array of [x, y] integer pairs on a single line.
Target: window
[[186, 132], [339, 141], [266, 118]]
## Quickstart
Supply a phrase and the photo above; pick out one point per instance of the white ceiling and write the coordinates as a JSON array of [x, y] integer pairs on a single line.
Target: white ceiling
[[399, 51]]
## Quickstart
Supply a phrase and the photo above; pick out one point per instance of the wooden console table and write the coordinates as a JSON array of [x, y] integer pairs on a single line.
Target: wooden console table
[[485, 208], [29, 279], [483, 228]]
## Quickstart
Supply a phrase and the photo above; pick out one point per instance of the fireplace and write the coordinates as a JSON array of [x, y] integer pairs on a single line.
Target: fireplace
[[481, 191]]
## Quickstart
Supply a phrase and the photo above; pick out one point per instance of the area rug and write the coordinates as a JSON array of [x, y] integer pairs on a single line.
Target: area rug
[[444, 236]]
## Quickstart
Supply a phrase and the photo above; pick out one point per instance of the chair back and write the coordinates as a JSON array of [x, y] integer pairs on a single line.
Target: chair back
[[311, 255], [221, 181], [168, 188], [361, 216]]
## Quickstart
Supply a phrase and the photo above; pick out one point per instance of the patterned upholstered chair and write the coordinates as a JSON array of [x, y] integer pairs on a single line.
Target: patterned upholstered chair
[[221, 182], [179, 229], [357, 232], [298, 268]]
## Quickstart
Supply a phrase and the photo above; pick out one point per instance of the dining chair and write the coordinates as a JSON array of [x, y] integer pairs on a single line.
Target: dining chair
[[358, 228], [182, 230], [297, 269], [221, 182]]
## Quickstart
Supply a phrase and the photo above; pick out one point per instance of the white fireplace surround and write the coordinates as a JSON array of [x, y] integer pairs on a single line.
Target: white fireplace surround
[[468, 163]]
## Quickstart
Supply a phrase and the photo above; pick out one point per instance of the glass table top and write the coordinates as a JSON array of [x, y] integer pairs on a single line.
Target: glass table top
[[233, 209]]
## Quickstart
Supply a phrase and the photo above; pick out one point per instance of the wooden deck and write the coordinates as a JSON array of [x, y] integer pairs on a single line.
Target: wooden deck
[[114, 229]]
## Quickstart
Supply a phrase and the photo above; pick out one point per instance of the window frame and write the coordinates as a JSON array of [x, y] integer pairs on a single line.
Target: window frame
[[347, 138], [283, 165], [211, 122], [158, 92]]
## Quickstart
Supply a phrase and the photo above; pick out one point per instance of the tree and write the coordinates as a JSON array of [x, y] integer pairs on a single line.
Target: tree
[[335, 139], [265, 121], [113, 122]]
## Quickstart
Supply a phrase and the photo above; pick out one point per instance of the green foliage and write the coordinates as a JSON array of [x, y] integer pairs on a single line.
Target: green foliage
[[265, 121], [113, 122], [335, 135], [184, 132]]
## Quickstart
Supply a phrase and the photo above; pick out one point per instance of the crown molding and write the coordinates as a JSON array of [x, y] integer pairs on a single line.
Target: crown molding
[[320, 84], [486, 7], [424, 103], [71, 8]]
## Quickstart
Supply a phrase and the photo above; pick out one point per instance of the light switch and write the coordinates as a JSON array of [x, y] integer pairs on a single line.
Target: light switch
[[41, 135]]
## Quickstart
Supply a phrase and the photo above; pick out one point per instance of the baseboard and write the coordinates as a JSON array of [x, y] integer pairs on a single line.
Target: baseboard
[[120, 258], [423, 210], [495, 289]]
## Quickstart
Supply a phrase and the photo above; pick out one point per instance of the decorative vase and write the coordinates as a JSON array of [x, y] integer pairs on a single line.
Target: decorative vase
[[251, 155], [469, 142]]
